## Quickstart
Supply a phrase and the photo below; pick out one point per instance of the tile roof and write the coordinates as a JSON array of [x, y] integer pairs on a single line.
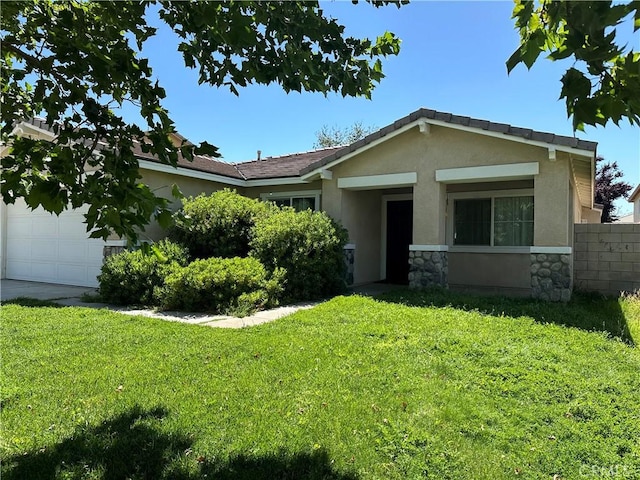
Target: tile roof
[[428, 114], [297, 164], [200, 163], [283, 166]]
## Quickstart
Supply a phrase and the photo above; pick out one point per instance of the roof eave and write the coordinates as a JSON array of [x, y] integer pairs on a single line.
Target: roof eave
[[413, 120]]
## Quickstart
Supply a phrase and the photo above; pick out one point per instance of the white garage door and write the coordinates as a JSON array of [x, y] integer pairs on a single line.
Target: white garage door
[[47, 248]]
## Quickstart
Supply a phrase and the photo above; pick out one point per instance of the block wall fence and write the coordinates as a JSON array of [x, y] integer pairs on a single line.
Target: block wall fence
[[607, 257]]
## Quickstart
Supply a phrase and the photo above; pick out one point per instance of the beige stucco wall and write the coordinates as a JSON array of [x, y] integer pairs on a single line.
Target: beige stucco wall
[[556, 206], [501, 270], [162, 183], [552, 216], [361, 216], [449, 148]]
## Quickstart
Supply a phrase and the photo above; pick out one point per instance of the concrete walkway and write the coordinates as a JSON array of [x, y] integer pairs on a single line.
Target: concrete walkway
[[71, 296]]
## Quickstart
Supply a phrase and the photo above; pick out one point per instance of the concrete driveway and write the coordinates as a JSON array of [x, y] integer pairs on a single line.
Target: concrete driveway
[[10, 289]]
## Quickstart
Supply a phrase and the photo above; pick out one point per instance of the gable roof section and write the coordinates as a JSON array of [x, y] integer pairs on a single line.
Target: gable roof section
[[525, 135], [635, 194]]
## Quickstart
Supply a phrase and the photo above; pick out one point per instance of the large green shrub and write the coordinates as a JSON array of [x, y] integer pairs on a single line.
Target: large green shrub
[[235, 286], [130, 277], [308, 245], [218, 225]]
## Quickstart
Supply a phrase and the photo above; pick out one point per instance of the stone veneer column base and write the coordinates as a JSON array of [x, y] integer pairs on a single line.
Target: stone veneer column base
[[428, 267], [349, 260], [551, 276]]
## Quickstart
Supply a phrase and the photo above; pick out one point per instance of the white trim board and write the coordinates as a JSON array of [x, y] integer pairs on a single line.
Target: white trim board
[[428, 248], [214, 177], [512, 171], [391, 180], [550, 250], [515, 249], [186, 172]]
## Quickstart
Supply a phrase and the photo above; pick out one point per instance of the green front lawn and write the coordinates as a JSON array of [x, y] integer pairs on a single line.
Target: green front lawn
[[457, 388]]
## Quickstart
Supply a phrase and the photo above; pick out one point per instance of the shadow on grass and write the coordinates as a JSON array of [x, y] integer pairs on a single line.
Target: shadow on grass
[[133, 445], [587, 311], [31, 302]]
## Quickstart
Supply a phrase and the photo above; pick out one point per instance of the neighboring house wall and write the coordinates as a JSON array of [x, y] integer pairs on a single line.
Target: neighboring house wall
[[636, 211], [590, 215], [607, 257]]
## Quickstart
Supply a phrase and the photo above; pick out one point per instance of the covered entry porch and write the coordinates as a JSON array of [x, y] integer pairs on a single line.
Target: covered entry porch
[[378, 214]]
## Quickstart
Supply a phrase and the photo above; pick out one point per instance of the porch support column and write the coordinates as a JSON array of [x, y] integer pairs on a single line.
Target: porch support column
[[428, 258]]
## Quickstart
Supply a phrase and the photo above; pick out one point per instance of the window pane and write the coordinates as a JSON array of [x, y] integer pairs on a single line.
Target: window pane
[[282, 202], [303, 203], [513, 217], [472, 222]]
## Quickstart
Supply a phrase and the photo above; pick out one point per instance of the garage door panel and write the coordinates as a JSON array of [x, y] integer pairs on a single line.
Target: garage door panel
[[44, 250], [68, 273], [93, 272], [45, 226], [95, 251], [49, 248], [21, 227], [45, 272], [18, 270], [19, 250], [73, 227], [70, 251]]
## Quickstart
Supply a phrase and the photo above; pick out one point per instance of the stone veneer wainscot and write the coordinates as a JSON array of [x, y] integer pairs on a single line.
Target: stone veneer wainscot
[[551, 276], [428, 266], [349, 260]]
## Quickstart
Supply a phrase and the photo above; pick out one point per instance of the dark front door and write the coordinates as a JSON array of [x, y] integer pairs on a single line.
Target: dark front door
[[399, 233]]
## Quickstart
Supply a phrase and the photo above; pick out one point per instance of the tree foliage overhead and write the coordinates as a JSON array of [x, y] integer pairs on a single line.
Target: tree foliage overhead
[[609, 188], [74, 62], [603, 84], [335, 136]]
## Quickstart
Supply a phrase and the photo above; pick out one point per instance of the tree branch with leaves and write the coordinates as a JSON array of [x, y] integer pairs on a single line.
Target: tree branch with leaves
[[603, 84], [72, 62]]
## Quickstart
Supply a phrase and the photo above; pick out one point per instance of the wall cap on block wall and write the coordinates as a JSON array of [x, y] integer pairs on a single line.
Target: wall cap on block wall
[[428, 248], [560, 250], [349, 246]]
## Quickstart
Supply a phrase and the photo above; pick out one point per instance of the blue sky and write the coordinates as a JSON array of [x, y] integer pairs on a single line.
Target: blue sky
[[452, 59]]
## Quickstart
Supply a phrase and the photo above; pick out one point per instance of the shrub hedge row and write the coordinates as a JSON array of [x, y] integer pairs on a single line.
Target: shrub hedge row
[[130, 277], [287, 255]]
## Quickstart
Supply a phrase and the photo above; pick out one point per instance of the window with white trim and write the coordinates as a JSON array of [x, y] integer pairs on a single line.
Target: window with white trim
[[309, 200], [499, 219]]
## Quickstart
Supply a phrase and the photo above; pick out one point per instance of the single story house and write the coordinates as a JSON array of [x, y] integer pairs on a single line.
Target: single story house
[[432, 198]]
